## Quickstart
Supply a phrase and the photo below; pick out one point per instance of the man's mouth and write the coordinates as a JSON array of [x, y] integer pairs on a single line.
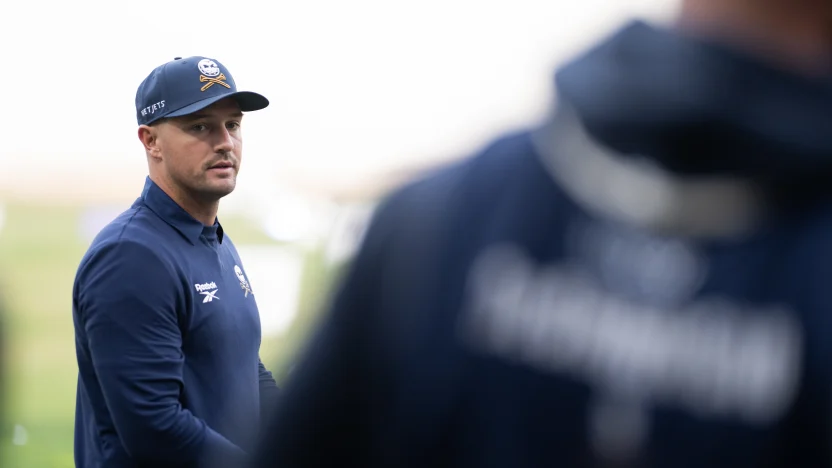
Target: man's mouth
[[222, 165]]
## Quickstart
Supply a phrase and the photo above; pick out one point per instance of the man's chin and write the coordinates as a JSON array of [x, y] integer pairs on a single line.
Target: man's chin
[[217, 189]]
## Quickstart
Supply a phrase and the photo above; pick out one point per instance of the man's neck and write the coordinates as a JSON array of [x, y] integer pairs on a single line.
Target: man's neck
[[203, 211], [787, 34]]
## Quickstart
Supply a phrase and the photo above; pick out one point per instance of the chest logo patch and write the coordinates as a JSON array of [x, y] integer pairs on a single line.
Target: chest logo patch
[[209, 290], [243, 282]]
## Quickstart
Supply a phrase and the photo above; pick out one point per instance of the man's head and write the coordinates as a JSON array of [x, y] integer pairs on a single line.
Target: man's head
[[189, 113], [796, 34]]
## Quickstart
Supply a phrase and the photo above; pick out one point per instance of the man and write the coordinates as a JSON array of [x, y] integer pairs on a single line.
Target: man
[[166, 323], [641, 281]]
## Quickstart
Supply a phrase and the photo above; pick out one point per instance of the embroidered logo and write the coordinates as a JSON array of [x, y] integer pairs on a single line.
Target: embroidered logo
[[209, 290], [211, 74], [243, 283]]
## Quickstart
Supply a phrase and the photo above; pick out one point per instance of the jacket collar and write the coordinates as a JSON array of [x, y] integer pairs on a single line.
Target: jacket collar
[[163, 206]]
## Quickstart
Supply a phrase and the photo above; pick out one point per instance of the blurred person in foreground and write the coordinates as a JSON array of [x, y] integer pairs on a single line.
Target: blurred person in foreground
[[642, 280], [166, 324]]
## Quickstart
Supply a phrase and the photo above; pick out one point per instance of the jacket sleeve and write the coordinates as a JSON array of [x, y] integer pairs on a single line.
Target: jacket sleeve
[[269, 390], [129, 304]]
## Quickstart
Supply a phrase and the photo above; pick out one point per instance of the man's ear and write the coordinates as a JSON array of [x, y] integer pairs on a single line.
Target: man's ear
[[149, 136]]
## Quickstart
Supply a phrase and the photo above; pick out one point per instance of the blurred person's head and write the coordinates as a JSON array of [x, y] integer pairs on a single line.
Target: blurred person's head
[[190, 114], [792, 33]]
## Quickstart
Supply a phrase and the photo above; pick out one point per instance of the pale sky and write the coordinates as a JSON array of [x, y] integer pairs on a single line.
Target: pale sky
[[356, 87]]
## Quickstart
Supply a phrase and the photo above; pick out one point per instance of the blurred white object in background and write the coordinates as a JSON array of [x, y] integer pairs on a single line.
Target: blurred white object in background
[[94, 218], [347, 232], [275, 274], [289, 218], [20, 435]]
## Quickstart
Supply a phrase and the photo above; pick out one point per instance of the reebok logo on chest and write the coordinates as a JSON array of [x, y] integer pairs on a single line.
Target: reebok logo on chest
[[209, 290]]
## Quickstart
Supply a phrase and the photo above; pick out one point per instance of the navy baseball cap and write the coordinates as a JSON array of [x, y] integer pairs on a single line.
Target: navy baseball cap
[[186, 85]]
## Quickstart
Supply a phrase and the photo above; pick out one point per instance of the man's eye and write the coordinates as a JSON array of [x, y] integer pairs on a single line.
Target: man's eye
[[198, 127], [233, 125]]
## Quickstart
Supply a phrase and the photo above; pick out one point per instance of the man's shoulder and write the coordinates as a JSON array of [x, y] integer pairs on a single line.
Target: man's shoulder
[[469, 183], [448, 205], [465, 189], [135, 225], [136, 236]]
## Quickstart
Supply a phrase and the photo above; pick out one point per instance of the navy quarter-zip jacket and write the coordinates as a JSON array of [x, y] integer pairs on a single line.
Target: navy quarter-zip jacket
[[167, 338]]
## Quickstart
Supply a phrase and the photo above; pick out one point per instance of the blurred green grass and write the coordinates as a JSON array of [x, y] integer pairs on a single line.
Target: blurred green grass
[[40, 248]]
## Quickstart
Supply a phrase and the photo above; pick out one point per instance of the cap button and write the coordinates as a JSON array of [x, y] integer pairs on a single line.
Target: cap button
[[177, 58]]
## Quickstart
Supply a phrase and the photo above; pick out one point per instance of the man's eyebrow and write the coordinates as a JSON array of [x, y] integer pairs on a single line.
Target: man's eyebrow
[[190, 117], [197, 116]]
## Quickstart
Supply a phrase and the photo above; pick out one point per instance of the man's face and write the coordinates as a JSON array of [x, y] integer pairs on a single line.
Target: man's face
[[201, 152]]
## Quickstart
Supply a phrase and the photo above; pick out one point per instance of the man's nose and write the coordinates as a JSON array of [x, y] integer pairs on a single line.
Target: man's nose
[[225, 141]]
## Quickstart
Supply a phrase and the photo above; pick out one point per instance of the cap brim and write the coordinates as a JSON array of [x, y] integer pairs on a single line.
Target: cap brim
[[248, 101]]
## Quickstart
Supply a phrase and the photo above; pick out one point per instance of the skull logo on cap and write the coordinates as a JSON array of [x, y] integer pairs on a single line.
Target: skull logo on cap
[[208, 67]]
